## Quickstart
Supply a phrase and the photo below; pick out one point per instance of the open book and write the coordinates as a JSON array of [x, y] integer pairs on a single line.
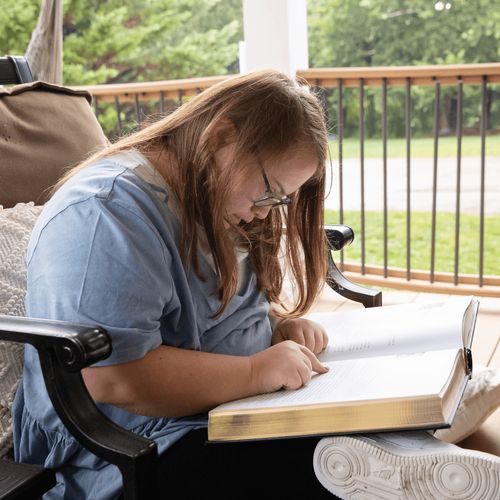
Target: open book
[[392, 367]]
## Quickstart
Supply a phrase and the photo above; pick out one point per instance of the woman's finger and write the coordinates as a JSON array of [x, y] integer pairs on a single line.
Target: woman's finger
[[315, 363]]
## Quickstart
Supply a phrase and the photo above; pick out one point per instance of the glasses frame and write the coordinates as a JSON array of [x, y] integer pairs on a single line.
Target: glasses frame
[[270, 198]]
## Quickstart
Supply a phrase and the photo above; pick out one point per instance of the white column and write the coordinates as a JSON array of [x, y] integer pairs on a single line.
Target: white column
[[275, 35]]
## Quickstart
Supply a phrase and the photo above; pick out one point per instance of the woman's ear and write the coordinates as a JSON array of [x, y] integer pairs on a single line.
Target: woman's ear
[[223, 133]]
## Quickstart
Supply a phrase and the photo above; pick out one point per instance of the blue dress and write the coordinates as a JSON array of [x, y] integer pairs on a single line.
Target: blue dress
[[105, 251]]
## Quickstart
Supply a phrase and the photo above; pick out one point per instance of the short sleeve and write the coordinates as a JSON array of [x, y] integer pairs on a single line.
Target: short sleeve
[[100, 262]]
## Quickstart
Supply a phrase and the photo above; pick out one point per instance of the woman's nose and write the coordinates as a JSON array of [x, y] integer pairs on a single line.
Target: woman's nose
[[261, 212]]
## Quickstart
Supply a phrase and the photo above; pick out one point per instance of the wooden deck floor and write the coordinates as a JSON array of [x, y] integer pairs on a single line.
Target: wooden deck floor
[[485, 349]]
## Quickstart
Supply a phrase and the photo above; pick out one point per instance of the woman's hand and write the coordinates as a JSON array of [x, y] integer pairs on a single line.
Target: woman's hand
[[303, 331], [286, 365]]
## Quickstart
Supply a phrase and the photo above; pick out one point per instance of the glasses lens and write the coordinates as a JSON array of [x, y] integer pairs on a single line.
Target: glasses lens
[[272, 201]]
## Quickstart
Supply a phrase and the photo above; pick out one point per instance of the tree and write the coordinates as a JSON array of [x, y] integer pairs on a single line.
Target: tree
[[403, 32], [17, 21], [407, 32], [146, 40], [109, 41]]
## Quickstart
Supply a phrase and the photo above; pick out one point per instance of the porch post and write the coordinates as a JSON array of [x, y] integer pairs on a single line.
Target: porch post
[[275, 35]]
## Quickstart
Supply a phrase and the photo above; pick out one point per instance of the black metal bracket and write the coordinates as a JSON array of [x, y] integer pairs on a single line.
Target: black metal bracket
[[339, 236]]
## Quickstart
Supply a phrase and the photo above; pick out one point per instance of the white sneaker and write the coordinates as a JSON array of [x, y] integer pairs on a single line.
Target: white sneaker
[[481, 399], [404, 465]]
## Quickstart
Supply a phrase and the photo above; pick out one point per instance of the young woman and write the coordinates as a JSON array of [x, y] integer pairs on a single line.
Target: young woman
[[171, 239]]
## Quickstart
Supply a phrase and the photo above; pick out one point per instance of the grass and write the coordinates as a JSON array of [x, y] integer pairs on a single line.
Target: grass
[[421, 224], [420, 147]]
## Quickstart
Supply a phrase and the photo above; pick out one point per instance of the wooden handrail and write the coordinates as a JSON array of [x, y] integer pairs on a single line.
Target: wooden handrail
[[324, 77], [152, 90], [422, 286], [397, 75], [422, 275]]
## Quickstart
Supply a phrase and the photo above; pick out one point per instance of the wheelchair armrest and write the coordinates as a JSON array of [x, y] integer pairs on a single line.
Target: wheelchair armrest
[[64, 349]]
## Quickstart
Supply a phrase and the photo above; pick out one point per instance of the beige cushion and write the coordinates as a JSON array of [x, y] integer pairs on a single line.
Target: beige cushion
[[44, 130], [16, 225]]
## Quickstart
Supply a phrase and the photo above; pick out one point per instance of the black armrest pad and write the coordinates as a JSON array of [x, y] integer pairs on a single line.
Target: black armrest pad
[[339, 236], [77, 346]]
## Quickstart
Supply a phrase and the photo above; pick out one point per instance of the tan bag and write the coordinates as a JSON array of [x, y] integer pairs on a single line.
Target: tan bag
[[45, 130]]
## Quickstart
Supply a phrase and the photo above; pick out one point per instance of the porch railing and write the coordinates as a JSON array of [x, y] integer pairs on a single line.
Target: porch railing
[[340, 79], [127, 105], [117, 105]]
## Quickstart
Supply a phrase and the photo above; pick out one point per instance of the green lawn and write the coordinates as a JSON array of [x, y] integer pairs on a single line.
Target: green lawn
[[421, 238], [420, 147]]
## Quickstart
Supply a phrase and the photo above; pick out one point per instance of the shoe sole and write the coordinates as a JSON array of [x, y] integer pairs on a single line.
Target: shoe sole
[[358, 468]]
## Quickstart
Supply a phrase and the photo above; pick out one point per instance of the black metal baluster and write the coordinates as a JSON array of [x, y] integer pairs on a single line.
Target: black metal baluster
[[384, 155], [180, 96], [459, 174], [362, 167], [408, 173], [340, 136], [437, 107], [137, 105], [162, 102], [483, 165], [118, 114]]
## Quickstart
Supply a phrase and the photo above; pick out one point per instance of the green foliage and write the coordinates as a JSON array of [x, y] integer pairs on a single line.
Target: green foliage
[[402, 32], [146, 40], [110, 41], [17, 21], [406, 32]]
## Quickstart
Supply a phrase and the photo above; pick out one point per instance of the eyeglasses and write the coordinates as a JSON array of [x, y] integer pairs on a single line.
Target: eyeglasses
[[270, 198]]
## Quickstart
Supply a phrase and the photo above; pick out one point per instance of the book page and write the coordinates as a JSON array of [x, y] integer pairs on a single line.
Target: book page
[[403, 328], [373, 378], [470, 323]]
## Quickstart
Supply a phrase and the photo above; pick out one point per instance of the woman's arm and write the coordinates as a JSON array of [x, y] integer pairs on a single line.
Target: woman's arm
[[174, 382]]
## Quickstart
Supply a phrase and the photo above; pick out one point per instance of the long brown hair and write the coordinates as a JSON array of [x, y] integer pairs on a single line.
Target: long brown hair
[[271, 114]]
